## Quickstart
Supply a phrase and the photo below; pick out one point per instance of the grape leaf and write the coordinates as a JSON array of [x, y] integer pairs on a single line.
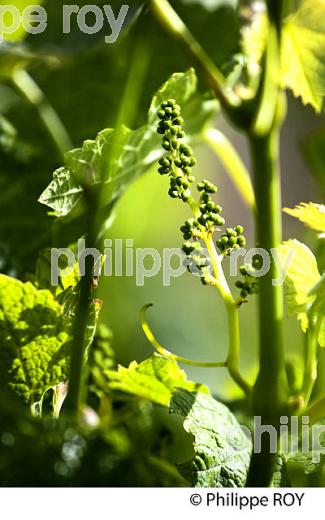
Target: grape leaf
[[301, 277], [118, 156], [313, 215], [303, 53], [154, 379], [222, 451], [34, 339]]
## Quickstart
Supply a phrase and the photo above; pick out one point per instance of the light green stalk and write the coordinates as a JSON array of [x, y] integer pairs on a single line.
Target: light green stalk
[[28, 88]]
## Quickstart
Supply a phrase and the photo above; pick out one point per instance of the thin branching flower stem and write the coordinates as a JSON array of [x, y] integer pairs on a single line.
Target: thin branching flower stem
[[232, 315]]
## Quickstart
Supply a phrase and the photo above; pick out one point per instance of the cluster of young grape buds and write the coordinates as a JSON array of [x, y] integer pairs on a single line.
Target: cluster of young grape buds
[[232, 239], [249, 285], [209, 211], [177, 163], [179, 160]]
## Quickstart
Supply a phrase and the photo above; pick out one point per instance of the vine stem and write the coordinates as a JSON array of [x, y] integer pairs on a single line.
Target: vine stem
[[174, 25], [234, 165], [232, 314], [270, 394], [270, 390], [78, 343], [76, 379], [26, 85]]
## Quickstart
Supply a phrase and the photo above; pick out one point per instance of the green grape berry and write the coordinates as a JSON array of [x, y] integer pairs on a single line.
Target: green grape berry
[[231, 232], [241, 241], [239, 230]]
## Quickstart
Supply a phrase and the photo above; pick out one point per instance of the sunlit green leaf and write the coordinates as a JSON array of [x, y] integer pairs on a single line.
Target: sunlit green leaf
[[35, 339], [311, 214], [303, 53], [154, 379], [301, 277]]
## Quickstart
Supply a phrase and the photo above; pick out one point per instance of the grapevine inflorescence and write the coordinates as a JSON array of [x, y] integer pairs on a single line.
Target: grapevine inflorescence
[[177, 163]]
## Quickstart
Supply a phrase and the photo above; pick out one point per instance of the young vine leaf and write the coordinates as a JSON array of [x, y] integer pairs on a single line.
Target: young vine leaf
[[117, 157], [222, 450], [155, 379], [35, 340], [301, 278], [311, 214], [303, 53]]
